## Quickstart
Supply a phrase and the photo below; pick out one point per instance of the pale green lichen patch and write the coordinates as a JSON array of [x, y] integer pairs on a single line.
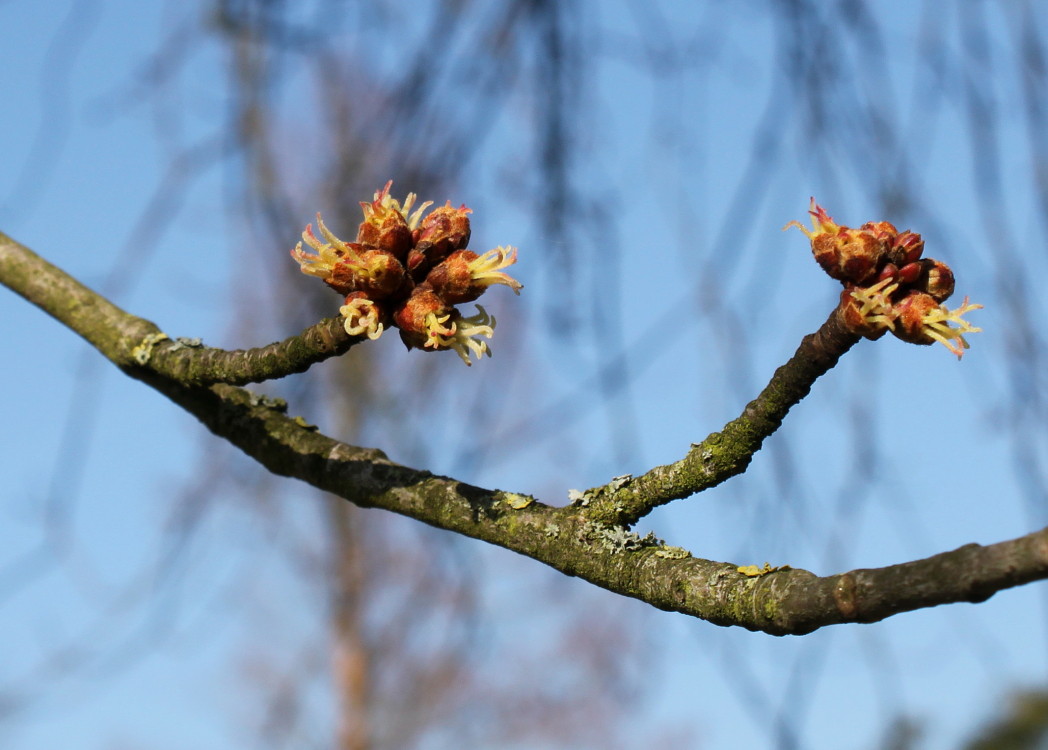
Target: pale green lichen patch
[[144, 349], [753, 571], [616, 539], [515, 501], [582, 499], [185, 343], [301, 422], [270, 402], [671, 553]]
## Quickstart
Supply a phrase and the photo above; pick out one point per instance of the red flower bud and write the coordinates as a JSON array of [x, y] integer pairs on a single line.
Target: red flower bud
[[909, 273], [389, 233], [852, 256], [420, 314], [463, 276], [425, 322], [910, 315], [922, 320], [363, 316], [334, 261], [868, 311], [452, 279], [906, 248], [936, 279], [890, 271], [349, 266], [855, 321], [443, 231], [381, 275], [387, 225], [345, 274]]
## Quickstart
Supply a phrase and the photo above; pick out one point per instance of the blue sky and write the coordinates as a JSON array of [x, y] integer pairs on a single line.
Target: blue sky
[[675, 153]]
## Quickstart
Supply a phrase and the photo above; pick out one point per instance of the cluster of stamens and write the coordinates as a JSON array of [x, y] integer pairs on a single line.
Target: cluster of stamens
[[888, 286], [409, 270]]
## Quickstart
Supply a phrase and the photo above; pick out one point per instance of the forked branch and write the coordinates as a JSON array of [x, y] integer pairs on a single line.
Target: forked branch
[[588, 538]]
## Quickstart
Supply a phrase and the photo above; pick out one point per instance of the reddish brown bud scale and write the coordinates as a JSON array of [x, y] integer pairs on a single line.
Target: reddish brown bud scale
[[907, 248], [850, 256], [342, 279], [452, 278], [391, 235], [383, 275], [911, 313], [936, 279], [909, 273], [882, 231], [411, 316], [443, 231], [853, 319], [416, 263], [890, 271]]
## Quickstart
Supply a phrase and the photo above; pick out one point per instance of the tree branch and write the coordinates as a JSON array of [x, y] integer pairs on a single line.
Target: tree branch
[[783, 602], [192, 364], [722, 455], [131, 342], [570, 539]]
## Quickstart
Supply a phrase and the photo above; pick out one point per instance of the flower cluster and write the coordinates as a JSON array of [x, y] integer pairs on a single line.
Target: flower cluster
[[409, 270], [888, 286]]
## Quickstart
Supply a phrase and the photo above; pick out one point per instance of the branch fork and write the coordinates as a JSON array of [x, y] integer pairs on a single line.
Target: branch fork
[[591, 537]]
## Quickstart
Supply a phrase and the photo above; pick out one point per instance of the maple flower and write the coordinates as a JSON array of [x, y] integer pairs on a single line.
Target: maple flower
[[328, 260], [349, 266], [821, 222], [922, 320], [849, 255], [408, 270], [888, 286], [363, 317], [445, 230], [463, 276], [437, 331], [486, 269], [388, 224], [419, 315], [868, 311], [463, 334]]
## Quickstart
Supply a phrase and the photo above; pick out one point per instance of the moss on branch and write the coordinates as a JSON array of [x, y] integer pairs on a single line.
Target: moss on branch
[[728, 452]]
